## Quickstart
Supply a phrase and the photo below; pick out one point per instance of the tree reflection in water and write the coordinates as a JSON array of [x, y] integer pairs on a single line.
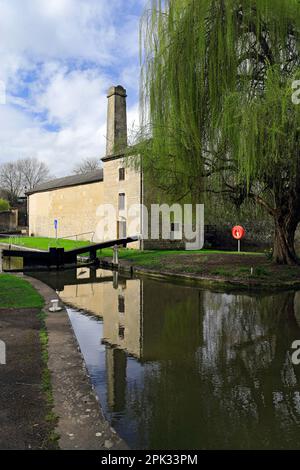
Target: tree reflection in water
[[225, 377]]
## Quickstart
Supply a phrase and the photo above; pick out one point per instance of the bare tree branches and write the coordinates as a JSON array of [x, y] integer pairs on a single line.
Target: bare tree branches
[[24, 174], [11, 181], [33, 172], [87, 165]]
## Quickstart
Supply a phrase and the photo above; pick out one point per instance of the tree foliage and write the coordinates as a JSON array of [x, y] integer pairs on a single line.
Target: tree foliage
[[4, 205], [216, 100]]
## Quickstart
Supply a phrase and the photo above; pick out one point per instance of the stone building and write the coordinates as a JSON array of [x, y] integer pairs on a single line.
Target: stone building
[[79, 203]]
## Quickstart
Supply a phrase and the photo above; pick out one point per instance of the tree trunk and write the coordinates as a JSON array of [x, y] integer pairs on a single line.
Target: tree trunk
[[284, 241]]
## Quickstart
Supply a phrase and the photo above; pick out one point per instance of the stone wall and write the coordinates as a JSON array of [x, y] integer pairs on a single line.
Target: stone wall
[[74, 207], [81, 209], [8, 221]]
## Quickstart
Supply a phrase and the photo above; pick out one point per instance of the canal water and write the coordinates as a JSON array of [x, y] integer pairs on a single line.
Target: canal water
[[178, 367]]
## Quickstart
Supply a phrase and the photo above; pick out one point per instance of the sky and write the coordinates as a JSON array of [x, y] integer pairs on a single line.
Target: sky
[[58, 59]]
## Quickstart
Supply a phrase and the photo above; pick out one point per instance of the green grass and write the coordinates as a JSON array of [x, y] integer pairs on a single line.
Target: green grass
[[222, 272], [42, 243], [260, 271], [191, 269], [243, 272], [155, 256], [51, 418], [18, 293]]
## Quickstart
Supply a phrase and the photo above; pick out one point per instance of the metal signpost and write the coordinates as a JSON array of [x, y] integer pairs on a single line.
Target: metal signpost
[[56, 229]]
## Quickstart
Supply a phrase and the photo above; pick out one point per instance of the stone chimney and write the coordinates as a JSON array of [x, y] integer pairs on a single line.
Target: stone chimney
[[116, 120]]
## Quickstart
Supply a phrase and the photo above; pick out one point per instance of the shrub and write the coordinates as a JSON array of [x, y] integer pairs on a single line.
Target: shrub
[[269, 253], [4, 205], [261, 271]]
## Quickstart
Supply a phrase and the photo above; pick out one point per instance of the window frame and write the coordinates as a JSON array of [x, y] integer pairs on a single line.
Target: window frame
[[121, 174], [122, 196]]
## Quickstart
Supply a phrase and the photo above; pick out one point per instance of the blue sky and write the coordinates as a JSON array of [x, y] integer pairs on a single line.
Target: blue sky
[[58, 58]]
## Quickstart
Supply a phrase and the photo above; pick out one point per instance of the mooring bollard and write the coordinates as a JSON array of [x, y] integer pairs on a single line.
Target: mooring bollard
[[55, 306], [115, 255], [2, 353]]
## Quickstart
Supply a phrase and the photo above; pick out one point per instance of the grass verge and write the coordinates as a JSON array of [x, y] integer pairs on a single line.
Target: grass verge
[[15, 292], [51, 418]]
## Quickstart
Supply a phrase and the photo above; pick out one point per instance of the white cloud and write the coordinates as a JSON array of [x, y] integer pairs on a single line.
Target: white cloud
[[70, 97], [58, 59], [82, 135], [60, 29]]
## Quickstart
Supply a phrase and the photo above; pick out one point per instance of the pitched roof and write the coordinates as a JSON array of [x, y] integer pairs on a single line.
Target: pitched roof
[[74, 180]]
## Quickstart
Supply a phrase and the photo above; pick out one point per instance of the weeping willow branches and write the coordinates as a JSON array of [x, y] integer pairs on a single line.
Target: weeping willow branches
[[215, 91], [216, 102]]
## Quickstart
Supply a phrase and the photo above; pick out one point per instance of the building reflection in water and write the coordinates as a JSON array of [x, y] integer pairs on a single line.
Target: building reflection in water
[[127, 330], [187, 368], [117, 301]]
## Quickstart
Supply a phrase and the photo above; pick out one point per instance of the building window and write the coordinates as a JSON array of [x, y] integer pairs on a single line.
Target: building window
[[121, 201], [121, 174], [121, 332], [121, 229], [121, 302], [175, 228]]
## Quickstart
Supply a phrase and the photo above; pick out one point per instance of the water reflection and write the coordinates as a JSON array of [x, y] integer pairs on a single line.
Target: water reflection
[[178, 367]]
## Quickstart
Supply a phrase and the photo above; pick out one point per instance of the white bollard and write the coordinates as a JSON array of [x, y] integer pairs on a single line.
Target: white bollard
[[54, 306], [2, 353]]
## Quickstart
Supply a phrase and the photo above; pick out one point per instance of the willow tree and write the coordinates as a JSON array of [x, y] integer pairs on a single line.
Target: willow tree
[[218, 115]]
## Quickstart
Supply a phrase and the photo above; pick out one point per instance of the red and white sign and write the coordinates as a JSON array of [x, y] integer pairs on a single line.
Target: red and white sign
[[238, 232]]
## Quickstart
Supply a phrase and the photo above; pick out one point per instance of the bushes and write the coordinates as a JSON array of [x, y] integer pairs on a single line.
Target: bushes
[[4, 205]]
